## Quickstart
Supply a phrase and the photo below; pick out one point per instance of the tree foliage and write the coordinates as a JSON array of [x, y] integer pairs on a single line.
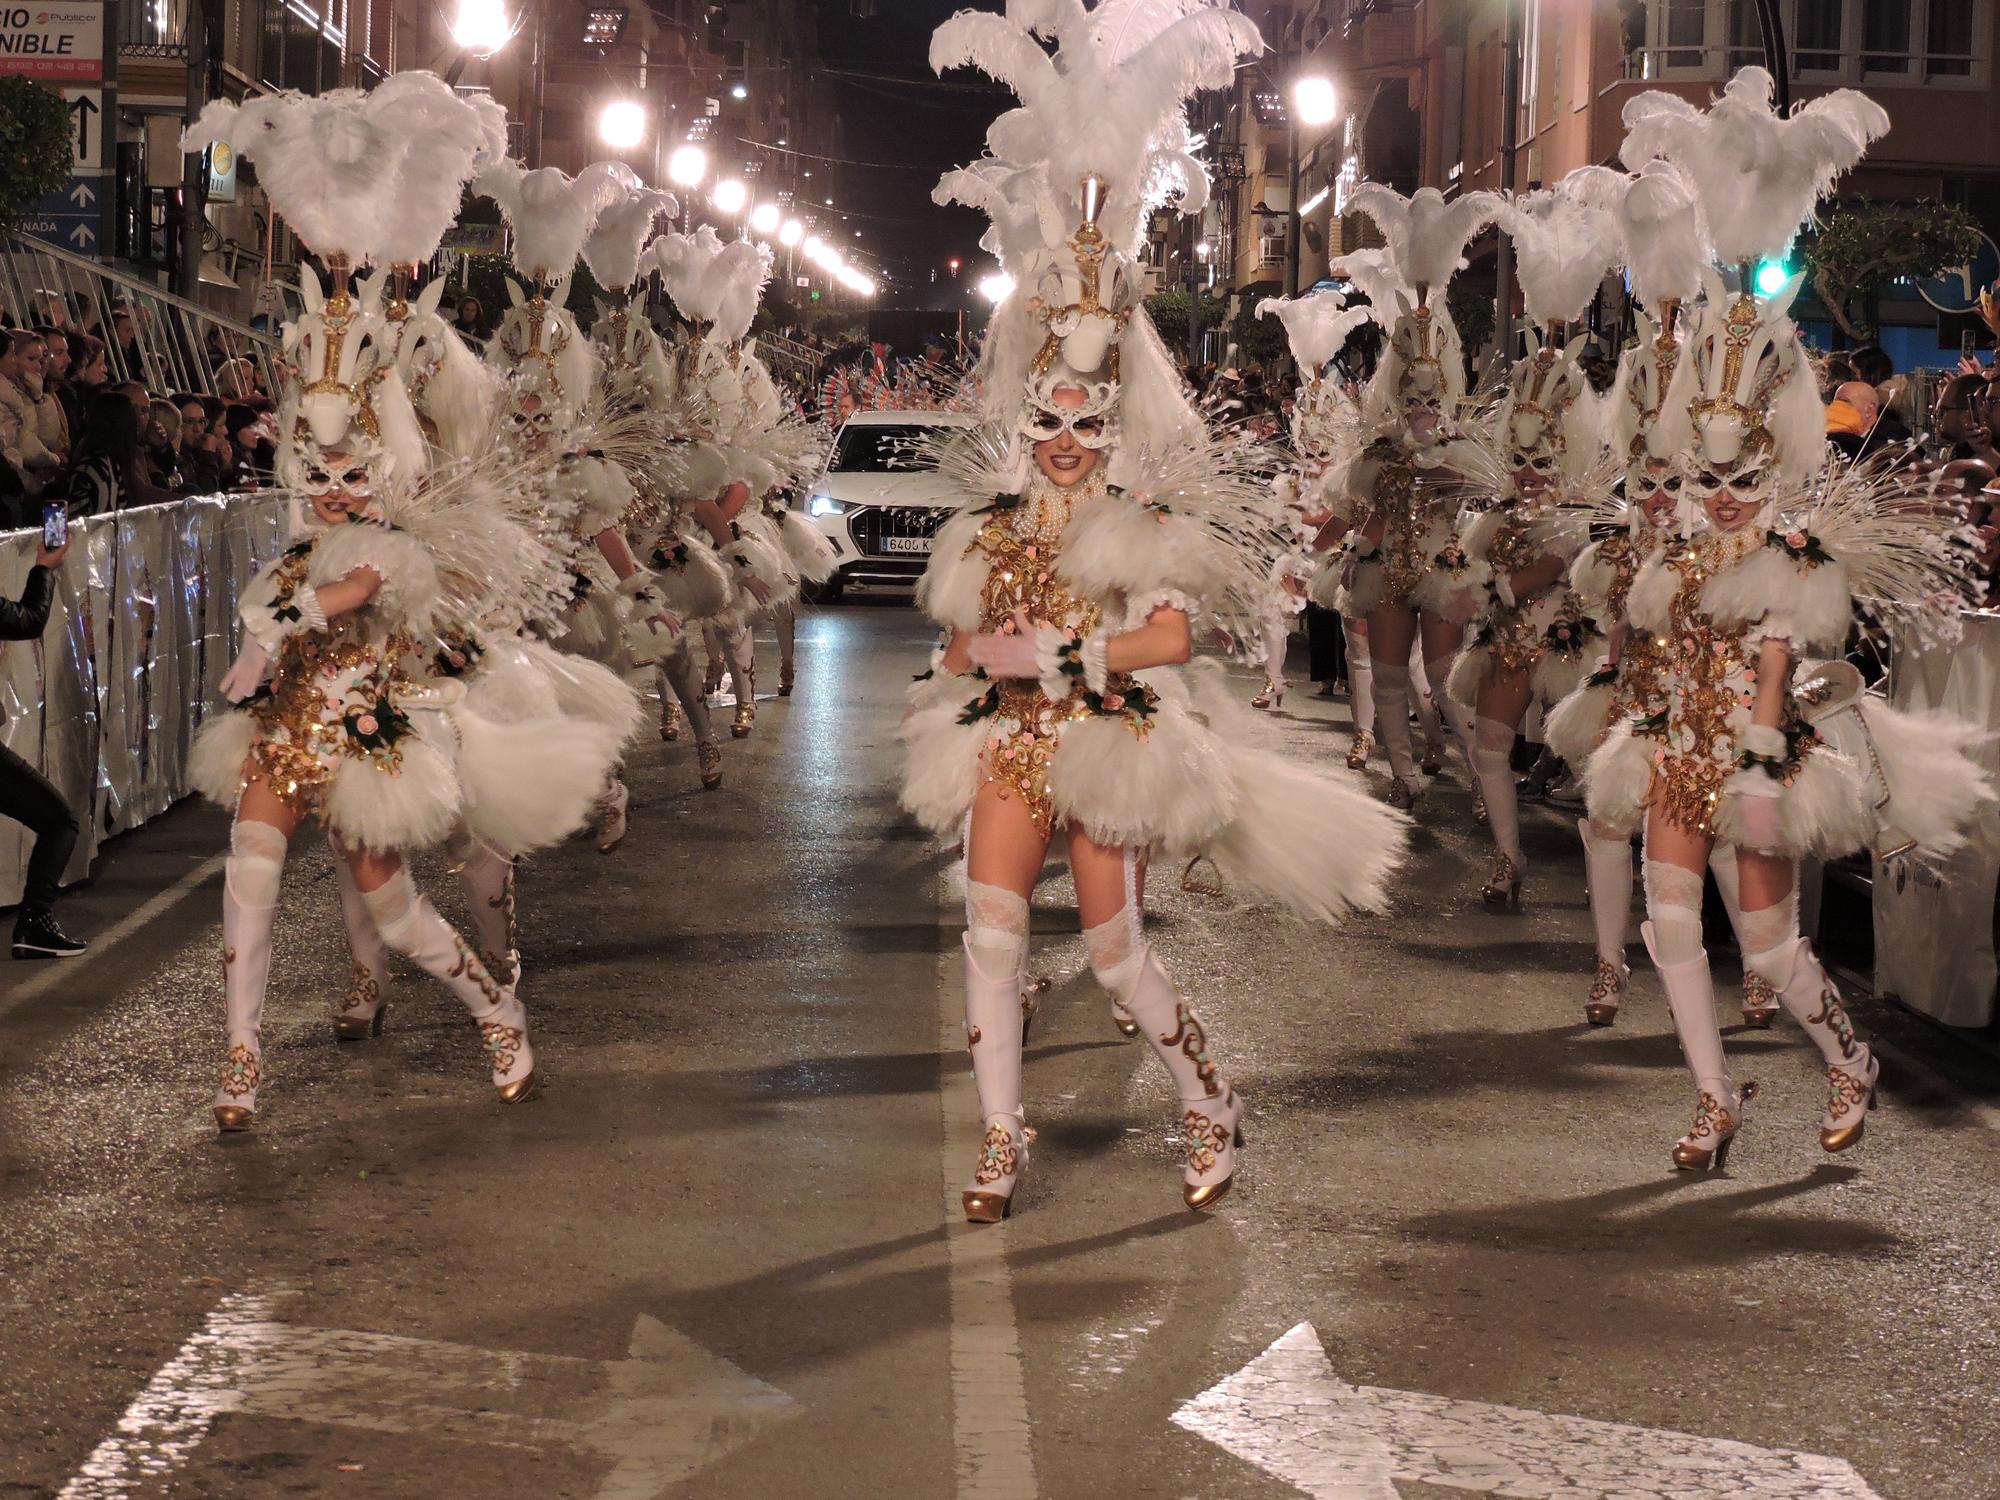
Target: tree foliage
[[34, 145], [1864, 245], [1169, 312]]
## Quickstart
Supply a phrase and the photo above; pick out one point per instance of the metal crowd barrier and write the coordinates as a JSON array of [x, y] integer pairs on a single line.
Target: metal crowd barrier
[[107, 702], [38, 281]]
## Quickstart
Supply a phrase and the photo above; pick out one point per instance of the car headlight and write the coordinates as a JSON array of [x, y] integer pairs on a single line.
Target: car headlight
[[825, 505]]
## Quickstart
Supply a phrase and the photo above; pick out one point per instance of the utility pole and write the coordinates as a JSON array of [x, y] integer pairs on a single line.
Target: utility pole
[[1510, 109], [1294, 221], [201, 18]]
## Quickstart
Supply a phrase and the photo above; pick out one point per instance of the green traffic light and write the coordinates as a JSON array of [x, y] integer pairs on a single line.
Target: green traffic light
[[1771, 277]]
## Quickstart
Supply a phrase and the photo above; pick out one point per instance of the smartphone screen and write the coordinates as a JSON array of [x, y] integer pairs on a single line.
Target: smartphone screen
[[1967, 341], [55, 526]]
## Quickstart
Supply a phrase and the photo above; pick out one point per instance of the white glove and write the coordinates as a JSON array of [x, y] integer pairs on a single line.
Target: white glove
[[246, 673], [1008, 655]]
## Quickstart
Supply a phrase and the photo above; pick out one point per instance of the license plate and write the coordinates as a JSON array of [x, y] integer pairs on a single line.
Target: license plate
[[920, 544]]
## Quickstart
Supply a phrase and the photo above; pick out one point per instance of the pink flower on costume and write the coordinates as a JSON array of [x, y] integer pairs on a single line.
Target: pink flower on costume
[[366, 724], [1113, 702]]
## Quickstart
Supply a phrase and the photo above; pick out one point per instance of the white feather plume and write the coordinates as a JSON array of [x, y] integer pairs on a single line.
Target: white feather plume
[[1564, 245], [1316, 325], [551, 212], [1374, 275], [613, 247], [443, 139], [713, 283], [1427, 233], [319, 159], [1660, 224], [1757, 176]]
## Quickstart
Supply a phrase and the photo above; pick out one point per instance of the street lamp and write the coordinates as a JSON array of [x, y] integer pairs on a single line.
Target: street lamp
[[996, 287], [481, 27], [765, 217], [687, 166], [730, 195], [791, 233], [739, 90], [1316, 102], [622, 124]]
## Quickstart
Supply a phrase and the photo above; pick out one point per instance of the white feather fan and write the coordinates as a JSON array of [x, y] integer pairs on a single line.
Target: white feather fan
[[1757, 176], [1564, 245], [1427, 234], [551, 212], [613, 247], [1316, 325]]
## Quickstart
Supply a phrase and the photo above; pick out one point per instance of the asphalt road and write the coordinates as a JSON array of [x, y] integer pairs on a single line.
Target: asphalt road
[[720, 1254]]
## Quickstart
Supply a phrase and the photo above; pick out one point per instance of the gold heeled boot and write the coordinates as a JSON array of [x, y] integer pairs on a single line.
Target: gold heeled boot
[[1706, 1146], [1607, 992]]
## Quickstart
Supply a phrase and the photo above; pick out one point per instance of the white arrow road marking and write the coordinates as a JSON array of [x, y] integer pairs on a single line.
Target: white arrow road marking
[[1290, 1415], [656, 1418]]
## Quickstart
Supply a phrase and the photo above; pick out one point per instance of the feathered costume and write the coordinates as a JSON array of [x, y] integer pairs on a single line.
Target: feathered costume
[[1036, 580], [1791, 544]]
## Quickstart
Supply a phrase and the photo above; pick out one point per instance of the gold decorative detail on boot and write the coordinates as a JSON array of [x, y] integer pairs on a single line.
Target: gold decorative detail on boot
[[1607, 990], [1402, 796], [670, 721], [1706, 1145], [503, 1044], [1357, 752], [242, 1070], [1479, 814], [1503, 886], [1849, 1098], [1122, 1019], [709, 754], [999, 1159], [744, 721], [362, 1013], [1760, 1001], [1193, 1042], [1210, 1139]]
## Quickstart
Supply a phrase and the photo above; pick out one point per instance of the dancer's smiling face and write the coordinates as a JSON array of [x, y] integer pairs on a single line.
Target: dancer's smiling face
[[346, 483], [1062, 458]]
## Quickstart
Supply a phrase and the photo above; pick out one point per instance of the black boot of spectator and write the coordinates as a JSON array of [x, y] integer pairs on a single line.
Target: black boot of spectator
[[36, 935]]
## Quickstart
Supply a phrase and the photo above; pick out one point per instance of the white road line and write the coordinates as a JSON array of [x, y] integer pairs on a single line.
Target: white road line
[[55, 971], [989, 1399]]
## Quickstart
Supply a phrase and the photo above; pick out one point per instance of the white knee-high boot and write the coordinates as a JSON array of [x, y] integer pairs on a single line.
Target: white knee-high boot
[[677, 667], [1813, 1000], [1673, 938], [1211, 1112], [1424, 700], [787, 625], [1361, 704], [1494, 742], [362, 1012], [996, 952], [251, 879], [1392, 721], [412, 926], [1608, 873], [1760, 1001], [488, 878]]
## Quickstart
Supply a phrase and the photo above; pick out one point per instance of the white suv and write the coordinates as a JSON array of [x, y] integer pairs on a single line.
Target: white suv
[[879, 515]]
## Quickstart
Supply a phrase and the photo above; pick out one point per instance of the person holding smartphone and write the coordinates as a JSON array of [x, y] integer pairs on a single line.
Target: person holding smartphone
[[26, 795]]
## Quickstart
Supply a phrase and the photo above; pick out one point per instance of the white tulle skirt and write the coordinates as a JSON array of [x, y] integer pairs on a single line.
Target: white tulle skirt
[[1308, 839]]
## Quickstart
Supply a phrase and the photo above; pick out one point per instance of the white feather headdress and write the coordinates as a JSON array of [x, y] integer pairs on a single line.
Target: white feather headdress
[[1566, 244], [1127, 67], [1660, 225], [319, 159], [1373, 273], [1427, 234], [711, 282], [1316, 325], [613, 247], [1756, 175], [551, 212], [444, 139]]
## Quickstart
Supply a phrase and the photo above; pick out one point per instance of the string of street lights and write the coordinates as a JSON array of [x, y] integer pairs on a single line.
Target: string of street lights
[[481, 28]]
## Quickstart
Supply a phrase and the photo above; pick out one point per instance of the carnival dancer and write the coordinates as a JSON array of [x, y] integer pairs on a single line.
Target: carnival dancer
[[1755, 744], [1402, 491], [716, 287], [1659, 224], [1325, 421], [796, 451], [1533, 641], [553, 393], [1096, 516]]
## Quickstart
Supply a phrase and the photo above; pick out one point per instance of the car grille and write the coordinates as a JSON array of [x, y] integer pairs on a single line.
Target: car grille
[[873, 526]]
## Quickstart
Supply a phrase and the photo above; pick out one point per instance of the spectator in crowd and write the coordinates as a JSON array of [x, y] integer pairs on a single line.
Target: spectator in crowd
[[255, 456], [125, 334], [27, 796], [160, 447], [1872, 364], [1963, 419], [20, 423], [470, 320], [236, 380], [57, 379], [90, 363], [1858, 424], [108, 474], [202, 450]]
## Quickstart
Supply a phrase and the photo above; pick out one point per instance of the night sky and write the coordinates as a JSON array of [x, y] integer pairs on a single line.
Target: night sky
[[896, 111]]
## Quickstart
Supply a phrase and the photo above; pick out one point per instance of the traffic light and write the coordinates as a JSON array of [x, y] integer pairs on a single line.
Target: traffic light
[[1770, 277]]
